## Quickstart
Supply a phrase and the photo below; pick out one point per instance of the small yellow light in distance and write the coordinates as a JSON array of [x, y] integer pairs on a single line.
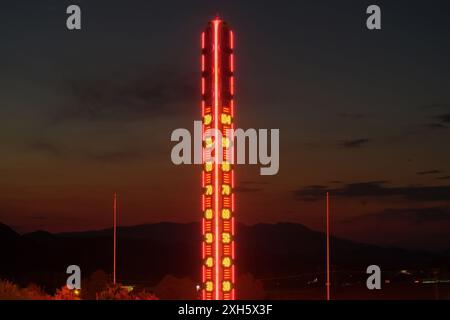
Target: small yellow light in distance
[[209, 143], [207, 119], [209, 262], [209, 190], [208, 214], [226, 189], [208, 166], [226, 237], [226, 262], [226, 214], [226, 286], [226, 166], [226, 142], [209, 238], [209, 286], [225, 118]]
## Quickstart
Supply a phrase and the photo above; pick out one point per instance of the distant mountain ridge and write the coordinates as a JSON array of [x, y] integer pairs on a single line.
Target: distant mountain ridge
[[6, 232], [148, 252]]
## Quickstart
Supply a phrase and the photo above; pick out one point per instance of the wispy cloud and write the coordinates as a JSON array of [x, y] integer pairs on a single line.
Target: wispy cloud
[[143, 95], [46, 147], [436, 126], [444, 118], [376, 189], [249, 186], [352, 115], [355, 143], [410, 215], [428, 172], [441, 121], [116, 156], [242, 189]]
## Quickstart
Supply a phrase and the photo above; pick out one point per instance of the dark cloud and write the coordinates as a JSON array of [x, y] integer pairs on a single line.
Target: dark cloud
[[316, 187], [376, 189], [441, 121], [116, 156], [252, 182], [243, 189], [46, 147], [315, 144], [124, 155], [351, 115], [355, 143], [444, 105], [434, 171], [311, 193], [411, 215], [445, 118], [249, 186], [144, 95], [437, 126]]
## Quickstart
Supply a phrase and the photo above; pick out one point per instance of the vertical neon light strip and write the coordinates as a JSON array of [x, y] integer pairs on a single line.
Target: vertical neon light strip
[[233, 291], [216, 155], [203, 173]]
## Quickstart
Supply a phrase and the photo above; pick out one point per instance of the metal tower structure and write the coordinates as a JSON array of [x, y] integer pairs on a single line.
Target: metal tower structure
[[218, 248]]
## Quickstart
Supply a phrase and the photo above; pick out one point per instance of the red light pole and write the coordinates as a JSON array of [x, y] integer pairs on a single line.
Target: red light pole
[[115, 234], [218, 251], [328, 284]]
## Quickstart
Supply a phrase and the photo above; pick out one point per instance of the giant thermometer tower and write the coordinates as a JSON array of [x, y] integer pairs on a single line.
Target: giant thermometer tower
[[218, 251]]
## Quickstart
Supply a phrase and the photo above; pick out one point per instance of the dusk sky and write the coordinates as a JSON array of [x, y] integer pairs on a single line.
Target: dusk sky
[[362, 114]]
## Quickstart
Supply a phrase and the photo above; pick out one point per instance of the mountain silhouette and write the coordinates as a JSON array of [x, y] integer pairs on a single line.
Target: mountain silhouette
[[7, 233], [146, 253]]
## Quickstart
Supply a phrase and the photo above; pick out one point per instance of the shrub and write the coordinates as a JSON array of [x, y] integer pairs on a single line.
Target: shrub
[[114, 292], [10, 291], [66, 294], [144, 295], [171, 288], [119, 292]]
